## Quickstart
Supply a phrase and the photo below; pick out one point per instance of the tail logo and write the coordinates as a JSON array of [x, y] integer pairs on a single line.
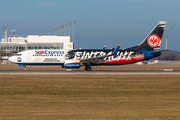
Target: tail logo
[[153, 40]]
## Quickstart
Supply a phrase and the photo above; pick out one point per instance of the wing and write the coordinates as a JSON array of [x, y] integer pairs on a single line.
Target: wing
[[100, 58]]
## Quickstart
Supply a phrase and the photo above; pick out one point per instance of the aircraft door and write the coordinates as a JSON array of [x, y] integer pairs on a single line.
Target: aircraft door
[[29, 55]]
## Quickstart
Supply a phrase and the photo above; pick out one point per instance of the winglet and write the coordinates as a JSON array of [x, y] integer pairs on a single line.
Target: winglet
[[104, 47], [116, 50]]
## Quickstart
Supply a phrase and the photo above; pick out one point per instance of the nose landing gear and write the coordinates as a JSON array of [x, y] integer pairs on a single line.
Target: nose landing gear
[[21, 65]]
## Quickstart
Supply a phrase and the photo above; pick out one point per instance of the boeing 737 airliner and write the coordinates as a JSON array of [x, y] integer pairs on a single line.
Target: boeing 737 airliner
[[76, 58]]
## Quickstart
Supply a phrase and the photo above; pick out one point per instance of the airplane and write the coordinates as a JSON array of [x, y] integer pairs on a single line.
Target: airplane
[[76, 58]]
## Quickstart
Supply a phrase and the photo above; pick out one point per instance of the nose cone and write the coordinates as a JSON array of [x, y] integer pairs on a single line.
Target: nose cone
[[11, 59]]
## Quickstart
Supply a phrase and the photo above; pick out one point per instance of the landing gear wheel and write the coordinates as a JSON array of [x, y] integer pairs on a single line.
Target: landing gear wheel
[[25, 69], [88, 68]]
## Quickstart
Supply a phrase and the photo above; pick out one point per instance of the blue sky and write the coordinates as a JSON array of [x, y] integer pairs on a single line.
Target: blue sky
[[100, 22]]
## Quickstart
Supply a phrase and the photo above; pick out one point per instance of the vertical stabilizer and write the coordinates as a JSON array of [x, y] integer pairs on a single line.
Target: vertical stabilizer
[[153, 40]]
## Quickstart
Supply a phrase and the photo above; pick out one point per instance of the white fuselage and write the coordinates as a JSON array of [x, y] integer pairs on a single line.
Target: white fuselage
[[48, 57]]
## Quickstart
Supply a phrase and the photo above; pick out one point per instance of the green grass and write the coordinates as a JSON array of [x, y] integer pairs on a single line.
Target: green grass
[[129, 97]]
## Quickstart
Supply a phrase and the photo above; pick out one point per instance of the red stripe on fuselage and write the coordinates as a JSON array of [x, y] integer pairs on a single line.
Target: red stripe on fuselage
[[132, 59]]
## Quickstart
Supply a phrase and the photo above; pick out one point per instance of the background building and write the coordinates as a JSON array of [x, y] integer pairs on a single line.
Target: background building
[[53, 39]]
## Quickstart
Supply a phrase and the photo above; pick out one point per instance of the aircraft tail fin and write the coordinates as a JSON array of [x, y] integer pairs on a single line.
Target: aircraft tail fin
[[153, 40]]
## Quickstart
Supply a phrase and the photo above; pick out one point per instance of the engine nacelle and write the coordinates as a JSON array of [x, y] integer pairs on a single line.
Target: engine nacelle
[[71, 64]]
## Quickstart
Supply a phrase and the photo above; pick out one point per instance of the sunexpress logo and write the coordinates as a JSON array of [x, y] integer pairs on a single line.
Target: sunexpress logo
[[46, 52]]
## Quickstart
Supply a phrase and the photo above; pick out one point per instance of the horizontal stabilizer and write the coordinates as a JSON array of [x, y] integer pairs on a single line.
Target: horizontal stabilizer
[[156, 52]]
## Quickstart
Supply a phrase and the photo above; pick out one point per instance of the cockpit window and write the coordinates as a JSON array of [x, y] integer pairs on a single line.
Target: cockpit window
[[17, 54]]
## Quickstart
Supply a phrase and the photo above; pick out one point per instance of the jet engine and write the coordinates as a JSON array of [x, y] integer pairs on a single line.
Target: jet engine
[[71, 64]]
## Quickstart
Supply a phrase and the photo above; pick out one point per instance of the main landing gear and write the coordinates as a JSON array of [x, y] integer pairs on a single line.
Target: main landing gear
[[88, 68]]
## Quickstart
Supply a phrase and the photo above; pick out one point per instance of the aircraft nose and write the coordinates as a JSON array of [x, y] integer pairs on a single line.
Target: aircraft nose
[[11, 59]]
